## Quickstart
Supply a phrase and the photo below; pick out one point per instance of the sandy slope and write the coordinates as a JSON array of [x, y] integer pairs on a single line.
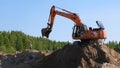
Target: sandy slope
[[70, 56]]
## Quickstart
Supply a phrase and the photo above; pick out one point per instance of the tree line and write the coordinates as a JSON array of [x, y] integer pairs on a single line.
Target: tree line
[[18, 41], [114, 45]]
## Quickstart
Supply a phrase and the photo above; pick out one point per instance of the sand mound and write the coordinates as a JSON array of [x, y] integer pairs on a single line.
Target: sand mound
[[84, 56], [70, 56]]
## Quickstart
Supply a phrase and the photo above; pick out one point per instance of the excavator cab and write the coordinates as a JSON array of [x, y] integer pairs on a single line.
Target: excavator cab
[[78, 30]]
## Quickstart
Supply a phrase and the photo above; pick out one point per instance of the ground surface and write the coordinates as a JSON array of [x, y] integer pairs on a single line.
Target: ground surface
[[70, 56]]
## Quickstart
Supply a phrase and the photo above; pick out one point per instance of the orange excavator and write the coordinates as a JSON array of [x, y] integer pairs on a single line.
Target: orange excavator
[[80, 30]]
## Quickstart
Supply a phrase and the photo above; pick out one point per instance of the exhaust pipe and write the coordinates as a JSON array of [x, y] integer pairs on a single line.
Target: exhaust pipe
[[45, 32]]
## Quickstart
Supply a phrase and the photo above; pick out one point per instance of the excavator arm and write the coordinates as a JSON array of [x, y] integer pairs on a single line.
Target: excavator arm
[[67, 14]]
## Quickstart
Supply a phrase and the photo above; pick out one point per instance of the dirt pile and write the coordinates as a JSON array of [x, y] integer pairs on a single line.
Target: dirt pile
[[20, 60], [70, 56], [84, 56]]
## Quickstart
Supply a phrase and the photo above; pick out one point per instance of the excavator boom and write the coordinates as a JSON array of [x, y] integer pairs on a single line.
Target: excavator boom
[[67, 14]]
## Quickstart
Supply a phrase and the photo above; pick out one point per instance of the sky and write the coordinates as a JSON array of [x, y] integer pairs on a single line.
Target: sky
[[30, 16]]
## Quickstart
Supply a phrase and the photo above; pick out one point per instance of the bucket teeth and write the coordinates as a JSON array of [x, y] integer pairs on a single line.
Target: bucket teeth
[[45, 32]]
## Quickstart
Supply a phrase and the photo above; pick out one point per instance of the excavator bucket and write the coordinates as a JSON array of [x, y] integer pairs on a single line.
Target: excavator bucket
[[45, 32]]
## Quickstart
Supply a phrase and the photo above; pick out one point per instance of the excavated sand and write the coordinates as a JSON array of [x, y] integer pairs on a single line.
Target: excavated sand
[[84, 56], [70, 56]]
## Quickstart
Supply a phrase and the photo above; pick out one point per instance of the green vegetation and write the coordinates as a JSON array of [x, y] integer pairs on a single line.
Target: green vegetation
[[114, 45], [18, 41]]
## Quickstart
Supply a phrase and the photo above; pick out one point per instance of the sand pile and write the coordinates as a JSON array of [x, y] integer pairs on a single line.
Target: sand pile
[[83, 56], [70, 56]]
